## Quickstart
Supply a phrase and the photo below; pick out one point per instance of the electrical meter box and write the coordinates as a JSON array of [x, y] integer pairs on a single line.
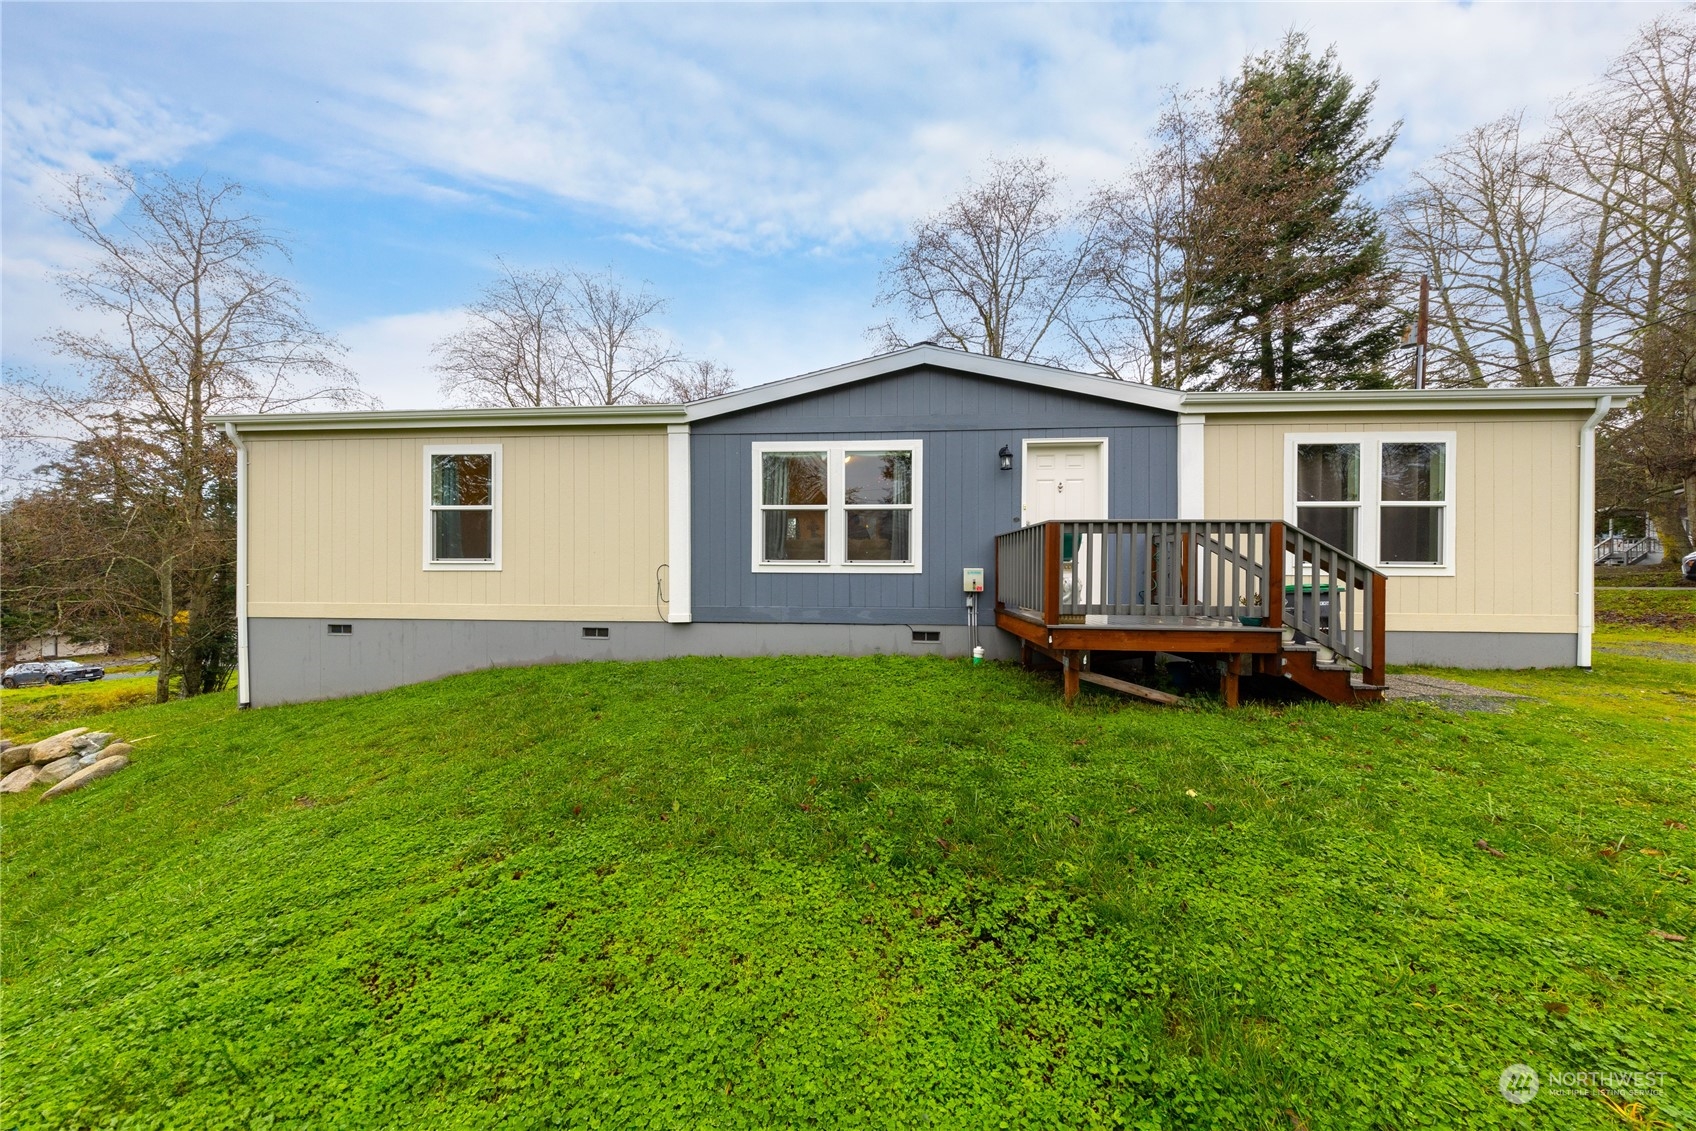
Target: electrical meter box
[[974, 579]]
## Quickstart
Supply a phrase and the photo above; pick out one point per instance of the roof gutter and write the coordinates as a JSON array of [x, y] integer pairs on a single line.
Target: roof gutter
[[1558, 398], [437, 420]]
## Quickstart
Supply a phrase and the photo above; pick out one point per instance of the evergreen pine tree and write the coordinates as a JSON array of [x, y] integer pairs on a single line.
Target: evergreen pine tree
[[1291, 262]]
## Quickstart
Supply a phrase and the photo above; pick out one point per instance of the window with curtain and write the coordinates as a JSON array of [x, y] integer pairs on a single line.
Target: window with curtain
[[795, 505], [462, 523], [851, 505], [1328, 493]]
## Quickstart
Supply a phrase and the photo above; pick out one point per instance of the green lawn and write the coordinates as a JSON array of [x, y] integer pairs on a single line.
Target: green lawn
[[45, 709], [1671, 610], [842, 893]]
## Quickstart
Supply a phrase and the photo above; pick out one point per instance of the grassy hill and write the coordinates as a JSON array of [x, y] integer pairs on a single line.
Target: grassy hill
[[840, 893]]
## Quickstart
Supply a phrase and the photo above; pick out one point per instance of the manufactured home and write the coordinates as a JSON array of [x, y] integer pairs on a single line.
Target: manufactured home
[[916, 502]]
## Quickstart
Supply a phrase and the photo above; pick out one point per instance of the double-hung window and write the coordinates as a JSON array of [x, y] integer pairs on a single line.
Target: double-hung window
[[1386, 498], [839, 506], [462, 520]]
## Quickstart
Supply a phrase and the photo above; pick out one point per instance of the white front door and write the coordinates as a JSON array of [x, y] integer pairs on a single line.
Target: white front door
[[1064, 481]]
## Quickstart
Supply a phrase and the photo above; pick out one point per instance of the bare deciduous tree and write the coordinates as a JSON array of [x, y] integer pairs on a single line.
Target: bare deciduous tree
[[549, 338], [513, 351], [195, 324], [1571, 258], [1138, 318], [996, 269], [1650, 92], [1481, 221], [696, 380], [619, 355]]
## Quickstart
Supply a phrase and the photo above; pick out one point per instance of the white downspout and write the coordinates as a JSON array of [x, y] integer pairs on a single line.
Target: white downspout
[[1587, 528], [244, 696]]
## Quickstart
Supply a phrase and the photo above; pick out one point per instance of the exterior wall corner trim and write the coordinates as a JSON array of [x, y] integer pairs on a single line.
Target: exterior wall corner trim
[[679, 544]]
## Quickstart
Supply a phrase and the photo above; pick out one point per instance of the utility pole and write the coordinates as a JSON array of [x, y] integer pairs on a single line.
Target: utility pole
[[1423, 332]]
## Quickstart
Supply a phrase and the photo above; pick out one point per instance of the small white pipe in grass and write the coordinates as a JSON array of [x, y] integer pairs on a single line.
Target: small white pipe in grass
[[244, 697], [1587, 528]]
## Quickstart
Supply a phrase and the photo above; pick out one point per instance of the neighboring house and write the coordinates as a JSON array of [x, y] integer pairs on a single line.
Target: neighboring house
[[55, 646], [839, 512]]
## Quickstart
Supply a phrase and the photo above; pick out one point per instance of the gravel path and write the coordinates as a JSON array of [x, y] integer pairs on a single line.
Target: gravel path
[[1447, 694]]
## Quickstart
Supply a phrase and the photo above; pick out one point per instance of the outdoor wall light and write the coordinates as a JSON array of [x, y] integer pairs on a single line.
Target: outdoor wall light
[[1006, 458]]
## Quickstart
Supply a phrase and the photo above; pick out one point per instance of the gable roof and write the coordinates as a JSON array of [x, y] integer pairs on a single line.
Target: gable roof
[[937, 357], [1194, 404]]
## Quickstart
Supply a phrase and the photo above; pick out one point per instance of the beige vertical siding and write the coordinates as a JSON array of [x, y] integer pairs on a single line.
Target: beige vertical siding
[[1516, 516], [336, 528]]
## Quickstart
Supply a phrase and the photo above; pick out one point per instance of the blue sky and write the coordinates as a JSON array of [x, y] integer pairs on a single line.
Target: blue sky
[[756, 164]]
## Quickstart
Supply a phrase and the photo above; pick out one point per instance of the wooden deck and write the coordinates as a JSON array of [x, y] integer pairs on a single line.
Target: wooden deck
[[1220, 592]]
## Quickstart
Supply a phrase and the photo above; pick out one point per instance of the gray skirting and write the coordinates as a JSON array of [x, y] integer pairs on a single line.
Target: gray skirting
[[296, 660], [1483, 649]]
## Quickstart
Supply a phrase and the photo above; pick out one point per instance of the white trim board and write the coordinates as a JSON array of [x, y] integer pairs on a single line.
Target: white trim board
[[1192, 466], [679, 577]]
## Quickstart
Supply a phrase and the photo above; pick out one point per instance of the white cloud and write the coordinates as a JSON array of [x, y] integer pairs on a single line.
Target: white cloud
[[391, 356], [767, 134], [49, 137], [762, 127], [770, 126]]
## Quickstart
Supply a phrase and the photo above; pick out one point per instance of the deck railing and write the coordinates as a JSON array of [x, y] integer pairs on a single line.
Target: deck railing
[[1168, 571], [1621, 549], [1336, 601]]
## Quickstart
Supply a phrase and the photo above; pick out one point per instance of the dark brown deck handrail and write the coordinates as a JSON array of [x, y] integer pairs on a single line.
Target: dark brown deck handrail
[[1188, 571], [1323, 574]]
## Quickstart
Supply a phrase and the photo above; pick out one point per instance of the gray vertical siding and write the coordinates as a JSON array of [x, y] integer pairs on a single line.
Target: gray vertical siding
[[963, 420]]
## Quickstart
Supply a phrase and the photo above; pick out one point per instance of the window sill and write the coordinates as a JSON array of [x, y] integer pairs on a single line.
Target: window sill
[[462, 567], [826, 567], [1416, 570]]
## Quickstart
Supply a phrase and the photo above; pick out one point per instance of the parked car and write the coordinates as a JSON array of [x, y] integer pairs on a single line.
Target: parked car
[[1690, 566], [50, 671]]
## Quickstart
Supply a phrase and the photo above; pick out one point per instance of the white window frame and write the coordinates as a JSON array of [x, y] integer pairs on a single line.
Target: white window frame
[[1368, 526], [431, 562], [836, 511]]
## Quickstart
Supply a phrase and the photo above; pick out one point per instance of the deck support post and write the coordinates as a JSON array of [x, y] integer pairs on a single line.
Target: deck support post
[[1230, 683], [1070, 663]]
